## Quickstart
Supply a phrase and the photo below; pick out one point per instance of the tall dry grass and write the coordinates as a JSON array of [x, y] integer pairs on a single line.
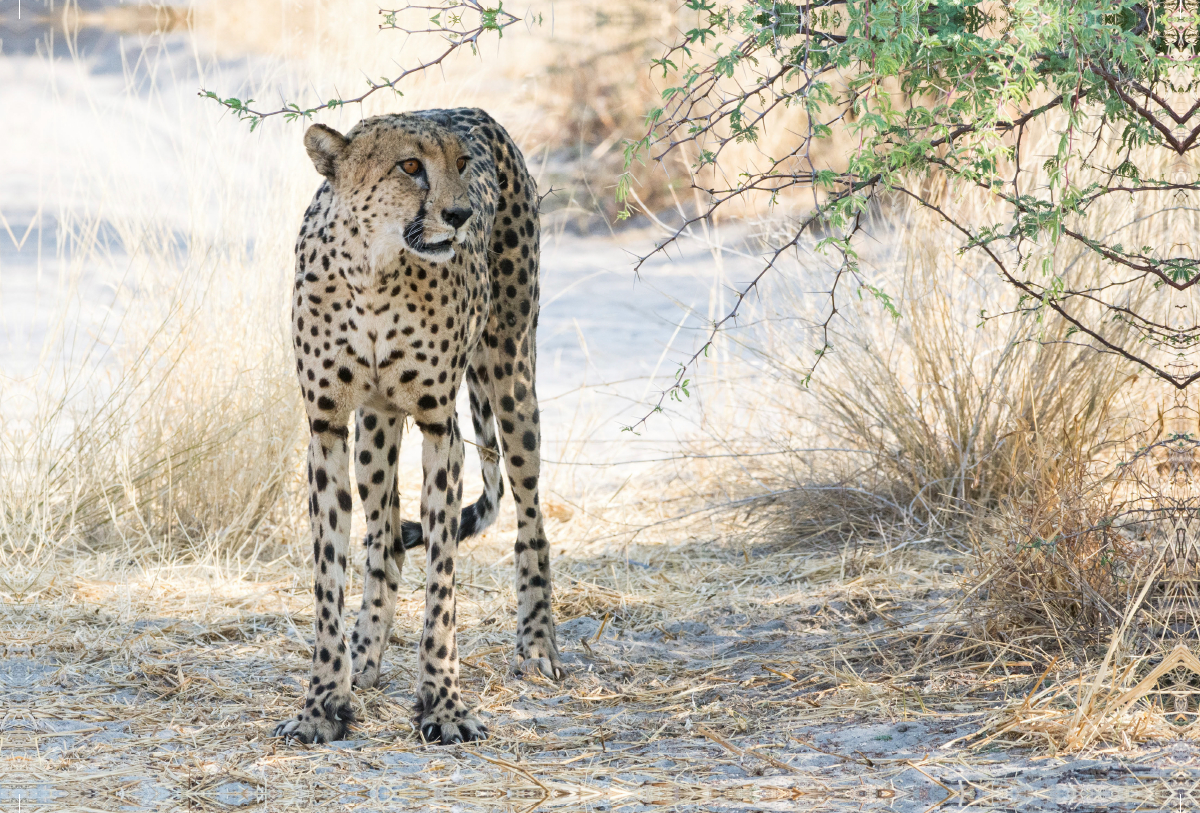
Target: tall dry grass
[[167, 427], [937, 415], [180, 434], [970, 421]]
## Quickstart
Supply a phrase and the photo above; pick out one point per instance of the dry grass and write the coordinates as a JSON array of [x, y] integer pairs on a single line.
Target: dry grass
[[1113, 709], [1055, 574], [701, 673]]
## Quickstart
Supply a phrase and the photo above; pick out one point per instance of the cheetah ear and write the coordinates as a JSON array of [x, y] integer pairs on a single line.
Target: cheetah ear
[[325, 146]]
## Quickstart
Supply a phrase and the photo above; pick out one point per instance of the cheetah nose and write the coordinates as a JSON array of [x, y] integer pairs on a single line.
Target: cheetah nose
[[456, 217]]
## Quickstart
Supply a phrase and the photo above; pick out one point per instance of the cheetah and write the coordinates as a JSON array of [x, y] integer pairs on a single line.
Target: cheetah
[[417, 267]]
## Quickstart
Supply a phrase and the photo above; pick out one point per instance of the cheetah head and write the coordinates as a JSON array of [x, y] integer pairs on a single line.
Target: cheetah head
[[403, 178]]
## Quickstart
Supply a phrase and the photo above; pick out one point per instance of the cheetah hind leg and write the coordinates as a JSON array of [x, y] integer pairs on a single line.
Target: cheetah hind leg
[[536, 646]]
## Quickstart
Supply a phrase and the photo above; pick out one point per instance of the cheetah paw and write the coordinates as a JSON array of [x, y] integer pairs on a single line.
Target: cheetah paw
[[468, 729], [447, 722], [327, 723], [539, 658]]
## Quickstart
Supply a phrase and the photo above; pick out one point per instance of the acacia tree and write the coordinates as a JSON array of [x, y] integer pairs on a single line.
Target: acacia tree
[[973, 93], [1060, 114]]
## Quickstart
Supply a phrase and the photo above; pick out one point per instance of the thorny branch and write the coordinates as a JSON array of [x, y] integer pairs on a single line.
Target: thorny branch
[[448, 22], [1107, 83]]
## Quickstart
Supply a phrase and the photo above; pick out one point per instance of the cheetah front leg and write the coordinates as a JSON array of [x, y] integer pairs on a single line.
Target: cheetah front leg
[[443, 715], [376, 446], [327, 712]]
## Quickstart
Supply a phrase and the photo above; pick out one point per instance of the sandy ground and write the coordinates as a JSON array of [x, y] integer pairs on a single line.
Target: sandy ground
[[704, 676]]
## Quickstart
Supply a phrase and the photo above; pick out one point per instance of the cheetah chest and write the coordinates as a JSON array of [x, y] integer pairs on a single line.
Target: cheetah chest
[[406, 339]]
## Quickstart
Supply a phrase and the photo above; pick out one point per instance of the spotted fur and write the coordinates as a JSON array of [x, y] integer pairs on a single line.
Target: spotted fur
[[416, 269]]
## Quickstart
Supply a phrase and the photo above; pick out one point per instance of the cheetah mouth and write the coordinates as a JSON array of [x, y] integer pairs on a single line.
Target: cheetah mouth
[[414, 238], [441, 251]]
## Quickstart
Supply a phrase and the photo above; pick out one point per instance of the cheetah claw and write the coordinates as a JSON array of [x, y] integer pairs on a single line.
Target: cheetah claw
[[468, 730], [541, 666]]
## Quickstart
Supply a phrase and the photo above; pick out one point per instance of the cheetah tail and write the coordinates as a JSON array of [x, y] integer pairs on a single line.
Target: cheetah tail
[[482, 513]]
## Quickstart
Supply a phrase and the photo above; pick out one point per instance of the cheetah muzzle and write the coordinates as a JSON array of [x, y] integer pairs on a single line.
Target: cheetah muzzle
[[417, 269]]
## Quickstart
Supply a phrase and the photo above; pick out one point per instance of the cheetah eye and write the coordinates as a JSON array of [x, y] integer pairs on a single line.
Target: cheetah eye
[[462, 163], [411, 167]]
